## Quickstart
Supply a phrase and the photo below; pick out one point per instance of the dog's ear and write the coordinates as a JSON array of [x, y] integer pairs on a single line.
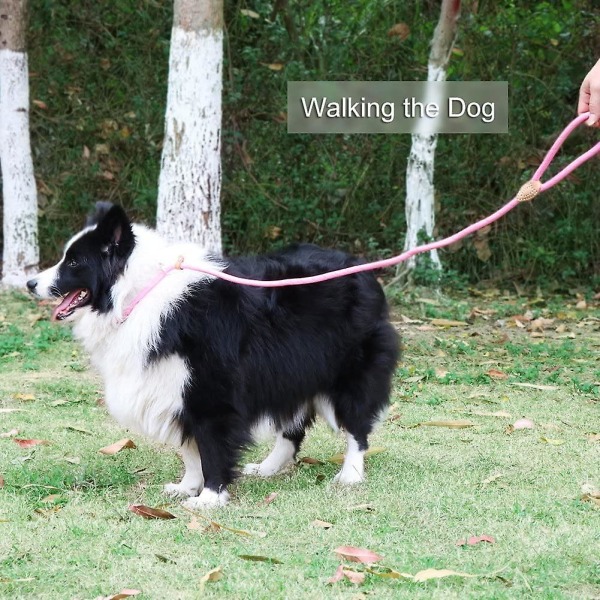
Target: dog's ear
[[115, 232], [99, 212]]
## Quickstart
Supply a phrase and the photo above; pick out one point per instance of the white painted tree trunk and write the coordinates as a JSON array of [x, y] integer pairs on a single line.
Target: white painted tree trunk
[[420, 190], [189, 191], [20, 255]]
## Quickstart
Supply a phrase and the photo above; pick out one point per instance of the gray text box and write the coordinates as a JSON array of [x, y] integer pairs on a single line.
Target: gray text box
[[398, 107]]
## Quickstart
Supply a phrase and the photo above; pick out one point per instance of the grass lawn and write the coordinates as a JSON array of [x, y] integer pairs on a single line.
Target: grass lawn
[[66, 531]]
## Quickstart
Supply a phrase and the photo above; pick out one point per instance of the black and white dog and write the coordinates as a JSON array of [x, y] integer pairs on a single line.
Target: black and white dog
[[203, 364]]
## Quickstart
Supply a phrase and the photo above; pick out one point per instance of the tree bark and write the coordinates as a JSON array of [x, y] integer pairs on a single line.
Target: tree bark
[[420, 190], [20, 255], [189, 188]]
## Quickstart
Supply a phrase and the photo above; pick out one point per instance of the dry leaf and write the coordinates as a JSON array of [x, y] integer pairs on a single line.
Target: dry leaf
[[213, 575], [51, 498], [354, 554], [523, 424], [10, 433], [387, 573], [355, 577], [496, 374], [448, 323], [257, 558], [117, 447], [322, 524], [593, 437], [30, 443], [269, 498], [213, 526], [307, 460], [78, 429], [399, 30], [428, 574], [492, 478], [126, 593], [476, 539], [552, 442], [337, 576], [455, 424], [40, 104], [273, 66], [150, 513], [338, 459], [249, 13], [534, 386], [1, 481], [24, 397]]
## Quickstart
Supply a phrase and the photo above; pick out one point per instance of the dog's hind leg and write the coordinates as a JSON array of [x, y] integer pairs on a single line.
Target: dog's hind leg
[[286, 446], [192, 481]]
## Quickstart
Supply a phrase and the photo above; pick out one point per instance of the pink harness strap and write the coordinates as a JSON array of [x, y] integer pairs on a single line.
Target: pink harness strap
[[527, 192]]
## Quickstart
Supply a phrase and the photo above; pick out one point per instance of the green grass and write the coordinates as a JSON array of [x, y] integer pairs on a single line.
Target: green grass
[[430, 487]]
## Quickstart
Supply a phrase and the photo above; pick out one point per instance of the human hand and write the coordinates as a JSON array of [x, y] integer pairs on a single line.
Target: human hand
[[589, 96]]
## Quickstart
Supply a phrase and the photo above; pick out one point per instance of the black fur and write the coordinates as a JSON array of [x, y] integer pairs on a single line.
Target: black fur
[[260, 352]]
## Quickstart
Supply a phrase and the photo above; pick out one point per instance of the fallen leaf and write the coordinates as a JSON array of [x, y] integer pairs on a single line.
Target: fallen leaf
[[354, 554], [46, 512], [534, 386], [165, 559], [213, 575], [150, 513], [483, 413], [440, 373], [51, 498], [448, 323], [399, 30], [455, 424], [249, 13], [581, 305], [387, 573], [215, 527], [59, 403], [338, 459], [257, 558], [414, 379], [476, 539], [496, 374], [428, 574], [24, 397], [269, 498], [273, 66], [365, 507], [307, 460], [10, 433], [117, 447], [322, 524], [40, 104], [356, 577], [126, 593], [78, 429], [1, 481], [30, 443], [552, 442], [593, 437], [74, 460], [523, 424]]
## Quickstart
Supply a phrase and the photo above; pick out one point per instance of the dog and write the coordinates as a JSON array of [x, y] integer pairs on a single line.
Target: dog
[[203, 364]]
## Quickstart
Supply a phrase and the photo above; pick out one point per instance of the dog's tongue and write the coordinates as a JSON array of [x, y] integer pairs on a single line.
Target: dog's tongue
[[64, 304]]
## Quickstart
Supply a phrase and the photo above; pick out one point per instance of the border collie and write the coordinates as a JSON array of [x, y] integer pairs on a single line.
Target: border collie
[[203, 364]]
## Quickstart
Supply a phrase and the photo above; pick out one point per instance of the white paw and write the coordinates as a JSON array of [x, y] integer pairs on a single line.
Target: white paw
[[349, 476], [261, 470], [179, 490], [207, 499]]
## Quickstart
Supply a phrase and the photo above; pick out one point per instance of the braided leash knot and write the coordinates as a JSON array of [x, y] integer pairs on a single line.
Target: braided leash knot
[[529, 190]]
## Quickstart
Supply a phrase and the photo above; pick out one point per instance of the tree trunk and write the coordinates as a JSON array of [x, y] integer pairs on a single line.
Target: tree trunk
[[20, 253], [420, 191], [189, 186]]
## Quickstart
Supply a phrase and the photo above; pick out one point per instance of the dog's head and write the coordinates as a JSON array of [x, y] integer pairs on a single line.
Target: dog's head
[[92, 261]]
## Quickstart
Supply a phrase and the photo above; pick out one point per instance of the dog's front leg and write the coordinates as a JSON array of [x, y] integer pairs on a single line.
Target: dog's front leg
[[192, 481], [220, 445]]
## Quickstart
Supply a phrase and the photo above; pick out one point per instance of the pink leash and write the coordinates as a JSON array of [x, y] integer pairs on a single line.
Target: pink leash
[[527, 192]]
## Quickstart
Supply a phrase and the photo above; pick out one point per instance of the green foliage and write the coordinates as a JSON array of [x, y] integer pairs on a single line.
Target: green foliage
[[101, 69]]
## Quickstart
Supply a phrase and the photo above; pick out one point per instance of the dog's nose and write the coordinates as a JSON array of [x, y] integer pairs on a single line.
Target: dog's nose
[[31, 285]]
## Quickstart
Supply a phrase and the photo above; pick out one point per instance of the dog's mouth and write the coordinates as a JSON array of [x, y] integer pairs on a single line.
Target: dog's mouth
[[70, 304]]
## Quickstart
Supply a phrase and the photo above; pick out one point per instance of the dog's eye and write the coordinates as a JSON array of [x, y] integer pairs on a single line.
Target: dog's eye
[[72, 263]]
